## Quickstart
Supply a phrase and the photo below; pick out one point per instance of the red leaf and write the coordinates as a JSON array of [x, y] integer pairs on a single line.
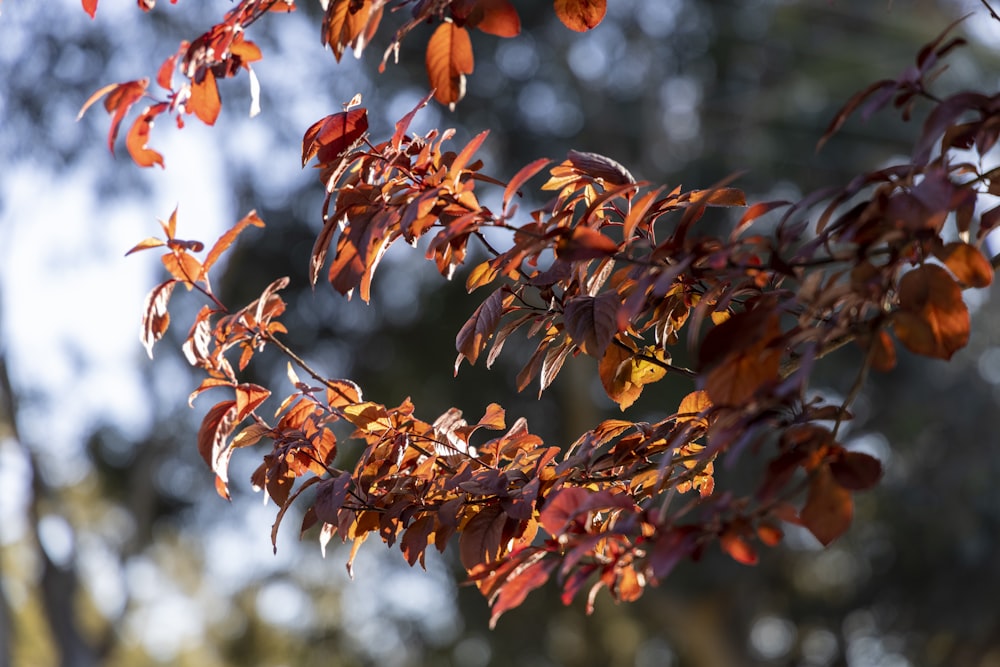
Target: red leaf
[[331, 137], [829, 507], [205, 102], [520, 178], [90, 6], [481, 540], [856, 471], [669, 549], [155, 316], [592, 322], [213, 444], [449, 59], [581, 15], [120, 98], [138, 137], [755, 212], [462, 159], [476, 332], [414, 541], [585, 243], [525, 578], [568, 503], [403, 124]]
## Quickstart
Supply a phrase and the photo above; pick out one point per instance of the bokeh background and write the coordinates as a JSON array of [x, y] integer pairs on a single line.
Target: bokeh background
[[114, 548]]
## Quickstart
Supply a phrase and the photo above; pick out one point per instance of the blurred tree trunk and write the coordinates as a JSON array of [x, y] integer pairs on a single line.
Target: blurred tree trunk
[[58, 584]]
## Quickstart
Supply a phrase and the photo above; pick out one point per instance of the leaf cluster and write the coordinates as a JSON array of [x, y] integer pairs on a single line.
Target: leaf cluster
[[609, 268]]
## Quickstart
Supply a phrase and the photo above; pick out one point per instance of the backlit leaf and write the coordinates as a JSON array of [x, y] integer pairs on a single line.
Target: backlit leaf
[[248, 397], [525, 578], [205, 102], [227, 239], [581, 15], [120, 98], [449, 59], [476, 332], [155, 315], [616, 383], [329, 138], [213, 441], [829, 507], [967, 263], [932, 320], [738, 548], [138, 137], [90, 6], [482, 537], [146, 244]]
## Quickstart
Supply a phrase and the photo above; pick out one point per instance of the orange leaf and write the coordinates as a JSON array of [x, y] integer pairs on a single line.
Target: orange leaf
[[449, 59], [248, 397], [344, 22], [90, 6], [522, 176], [717, 197], [742, 355], [227, 239], [738, 548], [182, 266], [146, 244], [769, 534], [138, 137], [829, 508], [617, 384], [581, 15], [120, 98], [932, 319], [692, 406], [495, 17], [204, 101], [967, 263]]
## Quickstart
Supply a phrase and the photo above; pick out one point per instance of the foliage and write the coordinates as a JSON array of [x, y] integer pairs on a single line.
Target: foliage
[[609, 268]]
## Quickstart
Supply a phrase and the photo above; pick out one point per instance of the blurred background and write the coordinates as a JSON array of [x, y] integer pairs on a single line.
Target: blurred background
[[115, 549]]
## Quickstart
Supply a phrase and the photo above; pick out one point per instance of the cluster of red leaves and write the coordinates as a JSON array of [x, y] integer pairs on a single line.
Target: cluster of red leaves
[[222, 51], [616, 270]]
